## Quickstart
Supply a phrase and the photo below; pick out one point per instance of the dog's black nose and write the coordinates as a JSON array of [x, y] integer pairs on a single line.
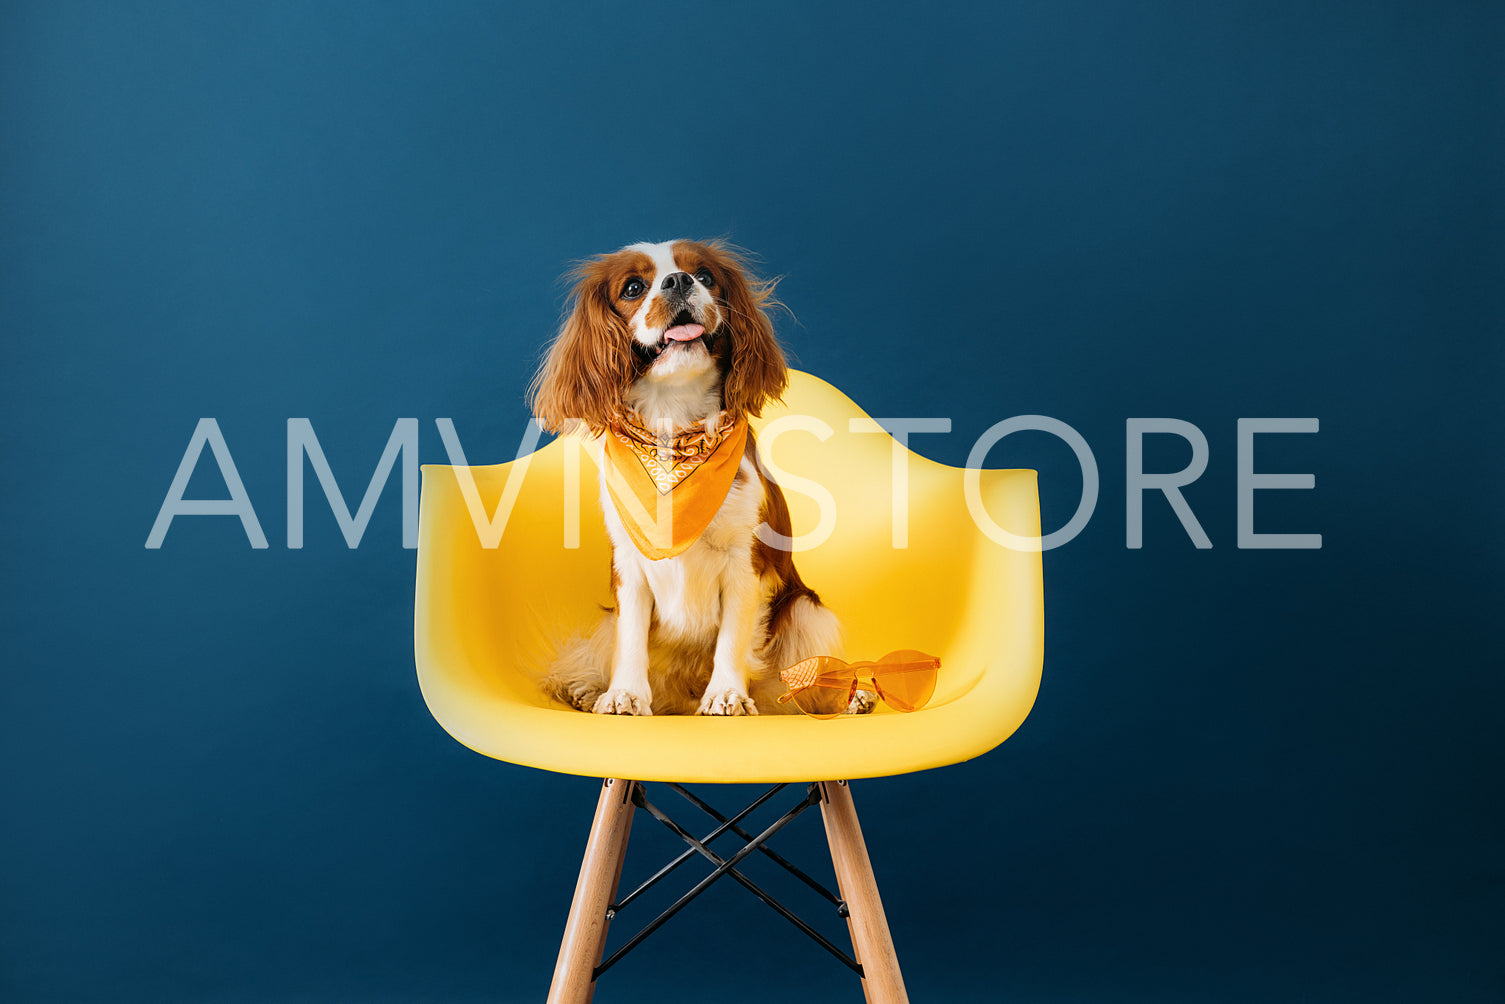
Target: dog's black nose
[[678, 282]]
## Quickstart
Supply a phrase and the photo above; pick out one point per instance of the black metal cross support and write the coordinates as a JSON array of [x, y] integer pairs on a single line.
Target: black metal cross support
[[769, 852], [726, 866], [690, 853]]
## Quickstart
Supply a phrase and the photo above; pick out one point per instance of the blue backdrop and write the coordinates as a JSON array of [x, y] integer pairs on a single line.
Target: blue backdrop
[[1250, 775]]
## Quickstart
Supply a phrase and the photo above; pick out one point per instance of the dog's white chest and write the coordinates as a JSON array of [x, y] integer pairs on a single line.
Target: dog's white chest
[[687, 589], [687, 592]]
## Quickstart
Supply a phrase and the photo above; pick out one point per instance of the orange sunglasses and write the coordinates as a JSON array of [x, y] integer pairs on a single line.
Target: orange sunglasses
[[823, 686]]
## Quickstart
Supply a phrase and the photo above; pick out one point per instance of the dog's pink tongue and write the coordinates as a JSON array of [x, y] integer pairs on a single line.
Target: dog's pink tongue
[[685, 332]]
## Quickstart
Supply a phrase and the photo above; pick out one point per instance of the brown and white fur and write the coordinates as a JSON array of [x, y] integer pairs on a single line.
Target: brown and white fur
[[675, 333]]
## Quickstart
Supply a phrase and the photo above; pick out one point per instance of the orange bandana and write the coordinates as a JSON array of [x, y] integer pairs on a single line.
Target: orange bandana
[[666, 492]]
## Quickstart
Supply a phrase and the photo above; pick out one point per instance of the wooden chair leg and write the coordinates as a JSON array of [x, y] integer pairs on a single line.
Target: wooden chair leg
[[882, 982], [600, 870]]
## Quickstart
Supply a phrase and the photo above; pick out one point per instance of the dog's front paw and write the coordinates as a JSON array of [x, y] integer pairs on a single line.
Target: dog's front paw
[[727, 702], [621, 702]]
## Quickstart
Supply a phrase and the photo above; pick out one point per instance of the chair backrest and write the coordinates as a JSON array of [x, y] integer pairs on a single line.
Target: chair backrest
[[952, 590]]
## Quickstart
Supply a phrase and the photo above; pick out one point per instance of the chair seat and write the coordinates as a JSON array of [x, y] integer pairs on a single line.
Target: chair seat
[[486, 619]]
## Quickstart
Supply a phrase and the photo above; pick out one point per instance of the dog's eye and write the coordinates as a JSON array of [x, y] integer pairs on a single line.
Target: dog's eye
[[633, 289], [706, 279]]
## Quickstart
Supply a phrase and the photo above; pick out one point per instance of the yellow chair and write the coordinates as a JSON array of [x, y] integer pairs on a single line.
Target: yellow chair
[[486, 617]]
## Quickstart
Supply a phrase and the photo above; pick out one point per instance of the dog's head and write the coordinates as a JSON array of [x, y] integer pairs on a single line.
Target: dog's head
[[667, 311]]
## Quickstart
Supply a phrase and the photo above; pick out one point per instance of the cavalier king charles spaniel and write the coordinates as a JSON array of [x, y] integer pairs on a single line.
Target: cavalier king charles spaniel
[[666, 353]]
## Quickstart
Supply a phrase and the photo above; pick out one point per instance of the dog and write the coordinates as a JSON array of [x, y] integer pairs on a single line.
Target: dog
[[666, 352]]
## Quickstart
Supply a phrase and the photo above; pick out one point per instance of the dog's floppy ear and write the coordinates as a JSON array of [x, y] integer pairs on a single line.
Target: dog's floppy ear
[[589, 363], [756, 372]]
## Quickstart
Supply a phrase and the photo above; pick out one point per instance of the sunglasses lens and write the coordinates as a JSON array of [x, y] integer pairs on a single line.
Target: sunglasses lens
[[827, 694], [906, 679]]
